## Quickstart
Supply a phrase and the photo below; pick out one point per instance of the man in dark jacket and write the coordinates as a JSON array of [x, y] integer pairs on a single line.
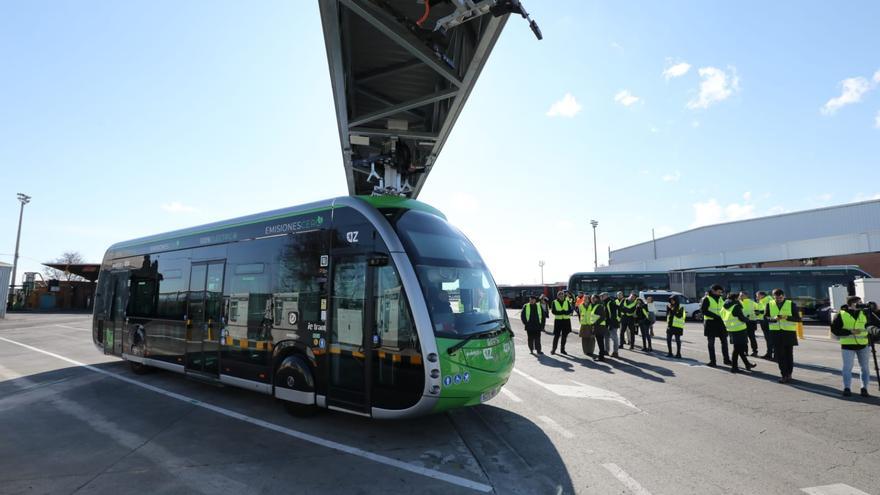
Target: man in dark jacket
[[533, 318], [713, 325], [851, 327], [561, 309], [783, 316], [612, 343], [737, 325]]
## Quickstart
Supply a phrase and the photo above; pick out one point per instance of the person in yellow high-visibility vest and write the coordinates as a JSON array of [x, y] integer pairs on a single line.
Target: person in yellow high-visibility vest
[[737, 325], [751, 315], [713, 325], [561, 309], [533, 317], [761, 302], [783, 315], [850, 326]]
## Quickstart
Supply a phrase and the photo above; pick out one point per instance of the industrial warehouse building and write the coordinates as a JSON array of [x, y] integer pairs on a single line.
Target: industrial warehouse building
[[837, 235]]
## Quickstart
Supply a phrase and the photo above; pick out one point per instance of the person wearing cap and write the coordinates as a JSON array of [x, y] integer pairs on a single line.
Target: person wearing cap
[[611, 322], [533, 317], [713, 325], [850, 326]]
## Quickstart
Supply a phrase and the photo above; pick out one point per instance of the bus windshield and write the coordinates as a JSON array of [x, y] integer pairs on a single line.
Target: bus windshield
[[460, 293]]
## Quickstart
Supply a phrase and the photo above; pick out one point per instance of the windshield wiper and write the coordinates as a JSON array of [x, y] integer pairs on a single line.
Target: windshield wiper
[[459, 345]]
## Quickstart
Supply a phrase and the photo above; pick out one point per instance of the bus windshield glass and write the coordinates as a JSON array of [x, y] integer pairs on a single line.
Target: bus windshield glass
[[460, 293]]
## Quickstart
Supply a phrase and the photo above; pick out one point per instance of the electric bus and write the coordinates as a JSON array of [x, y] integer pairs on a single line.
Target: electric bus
[[516, 296], [375, 306]]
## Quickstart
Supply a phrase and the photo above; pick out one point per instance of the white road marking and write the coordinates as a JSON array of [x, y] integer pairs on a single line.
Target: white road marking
[[626, 479], [580, 390], [836, 489], [510, 395], [347, 449], [553, 425]]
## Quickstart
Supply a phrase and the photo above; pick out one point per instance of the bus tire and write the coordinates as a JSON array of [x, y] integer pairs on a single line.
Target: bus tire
[[138, 348], [294, 373]]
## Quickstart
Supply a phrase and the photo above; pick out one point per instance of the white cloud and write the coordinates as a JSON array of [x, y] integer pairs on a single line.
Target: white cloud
[[654, 130], [824, 197], [711, 212], [695, 124], [616, 45], [877, 120], [568, 106], [865, 197], [177, 207], [674, 177], [852, 91], [625, 98], [716, 85], [876, 77], [676, 70], [747, 195]]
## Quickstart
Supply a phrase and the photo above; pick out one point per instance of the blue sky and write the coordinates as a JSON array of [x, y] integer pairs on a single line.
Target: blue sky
[[131, 118]]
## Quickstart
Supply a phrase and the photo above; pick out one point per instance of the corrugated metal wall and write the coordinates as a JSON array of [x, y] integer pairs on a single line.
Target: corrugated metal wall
[[833, 231]]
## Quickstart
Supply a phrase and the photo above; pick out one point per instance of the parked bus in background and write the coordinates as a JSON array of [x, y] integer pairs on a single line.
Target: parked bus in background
[[516, 296]]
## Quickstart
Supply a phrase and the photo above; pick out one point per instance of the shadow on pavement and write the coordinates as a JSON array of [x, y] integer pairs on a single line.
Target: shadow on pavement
[[660, 370], [554, 362]]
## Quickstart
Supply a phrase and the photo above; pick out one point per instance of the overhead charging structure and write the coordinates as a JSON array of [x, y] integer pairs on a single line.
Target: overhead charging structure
[[401, 72]]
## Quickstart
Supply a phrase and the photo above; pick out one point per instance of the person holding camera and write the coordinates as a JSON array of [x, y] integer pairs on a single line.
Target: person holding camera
[[850, 327]]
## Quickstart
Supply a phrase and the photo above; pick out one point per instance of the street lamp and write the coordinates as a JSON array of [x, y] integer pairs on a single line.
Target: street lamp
[[23, 199], [595, 251], [541, 264]]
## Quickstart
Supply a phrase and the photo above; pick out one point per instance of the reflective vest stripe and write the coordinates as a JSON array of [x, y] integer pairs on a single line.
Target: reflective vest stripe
[[850, 323], [775, 311], [715, 307], [732, 323], [629, 308], [761, 306]]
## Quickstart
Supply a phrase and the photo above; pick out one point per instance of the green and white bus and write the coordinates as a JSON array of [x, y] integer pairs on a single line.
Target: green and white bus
[[370, 305]]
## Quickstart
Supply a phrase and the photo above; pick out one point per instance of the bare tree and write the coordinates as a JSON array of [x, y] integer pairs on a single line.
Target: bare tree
[[67, 258]]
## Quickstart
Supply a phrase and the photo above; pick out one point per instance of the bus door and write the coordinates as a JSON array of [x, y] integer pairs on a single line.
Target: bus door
[[117, 297], [204, 312]]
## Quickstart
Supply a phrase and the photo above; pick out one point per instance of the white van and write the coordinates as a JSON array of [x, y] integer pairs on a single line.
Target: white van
[[661, 299]]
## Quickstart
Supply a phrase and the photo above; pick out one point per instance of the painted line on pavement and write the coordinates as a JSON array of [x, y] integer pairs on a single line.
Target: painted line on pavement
[[580, 390], [626, 479], [836, 489], [512, 396], [553, 425], [330, 444]]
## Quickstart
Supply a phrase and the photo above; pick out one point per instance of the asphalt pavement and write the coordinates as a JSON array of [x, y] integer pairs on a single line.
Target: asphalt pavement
[[75, 421]]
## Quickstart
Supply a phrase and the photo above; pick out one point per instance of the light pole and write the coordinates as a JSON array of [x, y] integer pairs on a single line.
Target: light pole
[[541, 264], [595, 251], [23, 199]]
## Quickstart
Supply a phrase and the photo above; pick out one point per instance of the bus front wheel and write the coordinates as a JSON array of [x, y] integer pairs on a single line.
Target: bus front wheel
[[294, 375]]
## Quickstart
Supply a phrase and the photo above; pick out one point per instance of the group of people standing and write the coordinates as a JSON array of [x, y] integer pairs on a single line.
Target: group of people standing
[[611, 323]]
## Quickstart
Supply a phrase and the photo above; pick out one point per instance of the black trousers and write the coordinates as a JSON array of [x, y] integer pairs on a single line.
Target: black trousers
[[627, 328], [784, 357], [534, 337], [599, 331], [751, 328], [768, 337], [724, 352], [677, 337], [740, 341], [646, 337], [561, 329]]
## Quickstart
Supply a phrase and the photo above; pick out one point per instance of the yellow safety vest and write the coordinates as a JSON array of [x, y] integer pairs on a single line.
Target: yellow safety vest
[[528, 309], [761, 306], [564, 307], [779, 325], [749, 309], [715, 306], [850, 323], [678, 318], [629, 307], [732, 323]]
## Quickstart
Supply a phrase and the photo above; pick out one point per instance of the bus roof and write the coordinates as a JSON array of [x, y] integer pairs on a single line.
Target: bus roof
[[328, 204]]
